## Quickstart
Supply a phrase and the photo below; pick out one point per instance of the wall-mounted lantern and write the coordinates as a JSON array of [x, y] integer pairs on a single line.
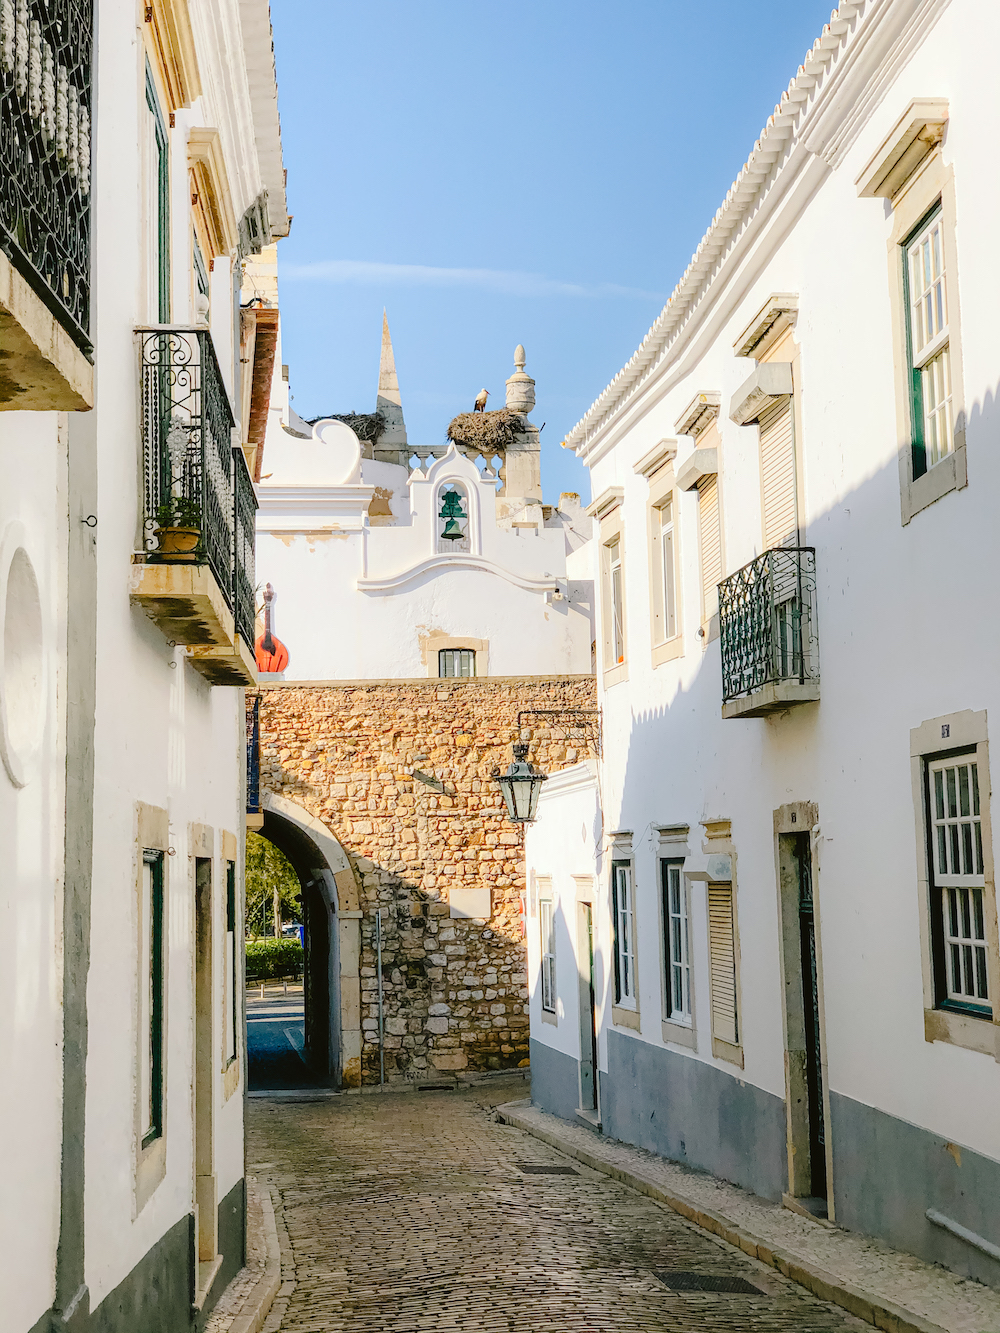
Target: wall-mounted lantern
[[521, 786]]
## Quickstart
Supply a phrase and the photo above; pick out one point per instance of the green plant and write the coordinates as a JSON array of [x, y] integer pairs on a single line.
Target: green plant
[[268, 957], [268, 870], [178, 512]]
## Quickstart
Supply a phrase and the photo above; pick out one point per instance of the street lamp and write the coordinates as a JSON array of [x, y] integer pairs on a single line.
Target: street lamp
[[521, 786]]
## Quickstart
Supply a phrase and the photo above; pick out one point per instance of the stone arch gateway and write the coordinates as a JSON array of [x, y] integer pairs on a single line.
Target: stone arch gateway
[[330, 907]]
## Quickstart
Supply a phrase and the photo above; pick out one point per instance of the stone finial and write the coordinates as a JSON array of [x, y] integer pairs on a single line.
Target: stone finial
[[520, 387]]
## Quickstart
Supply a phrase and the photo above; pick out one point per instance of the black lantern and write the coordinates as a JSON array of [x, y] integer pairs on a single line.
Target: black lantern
[[521, 786]]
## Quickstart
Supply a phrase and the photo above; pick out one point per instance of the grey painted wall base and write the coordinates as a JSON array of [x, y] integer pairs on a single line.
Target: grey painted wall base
[[887, 1173], [692, 1112], [156, 1296], [232, 1245], [555, 1080]]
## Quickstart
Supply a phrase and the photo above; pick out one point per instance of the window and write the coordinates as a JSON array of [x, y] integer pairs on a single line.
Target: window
[[621, 895], [151, 997], [457, 662], [928, 348], [232, 971], [777, 474], [722, 965], [959, 886], [616, 601], [666, 573], [546, 922], [157, 205], [677, 962]]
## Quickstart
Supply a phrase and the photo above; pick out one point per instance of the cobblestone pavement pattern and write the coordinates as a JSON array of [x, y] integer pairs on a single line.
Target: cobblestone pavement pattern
[[409, 1212]]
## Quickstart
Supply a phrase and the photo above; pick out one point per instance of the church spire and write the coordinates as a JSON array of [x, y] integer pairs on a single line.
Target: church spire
[[389, 402]]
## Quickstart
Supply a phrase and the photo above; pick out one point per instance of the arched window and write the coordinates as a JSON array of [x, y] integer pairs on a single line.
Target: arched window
[[452, 510]]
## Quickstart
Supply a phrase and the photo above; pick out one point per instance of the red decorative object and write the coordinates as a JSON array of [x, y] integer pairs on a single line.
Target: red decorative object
[[271, 653]]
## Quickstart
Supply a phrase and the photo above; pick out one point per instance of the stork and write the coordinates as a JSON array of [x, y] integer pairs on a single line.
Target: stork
[[481, 398]]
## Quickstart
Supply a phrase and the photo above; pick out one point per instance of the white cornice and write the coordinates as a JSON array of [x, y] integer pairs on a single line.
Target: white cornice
[[568, 781], [446, 564], [800, 119]]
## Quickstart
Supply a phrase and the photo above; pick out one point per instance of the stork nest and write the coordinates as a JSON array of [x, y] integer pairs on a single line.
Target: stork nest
[[489, 432], [367, 426]]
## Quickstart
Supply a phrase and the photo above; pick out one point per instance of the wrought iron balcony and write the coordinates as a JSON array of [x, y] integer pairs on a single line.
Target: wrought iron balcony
[[767, 631], [198, 506], [45, 115]]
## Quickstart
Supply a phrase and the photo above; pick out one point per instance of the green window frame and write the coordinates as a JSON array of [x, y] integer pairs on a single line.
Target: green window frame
[[153, 998], [232, 965], [162, 200], [916, 369]]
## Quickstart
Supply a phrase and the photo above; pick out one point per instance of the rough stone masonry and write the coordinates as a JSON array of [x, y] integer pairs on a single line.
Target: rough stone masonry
[[454, 988]]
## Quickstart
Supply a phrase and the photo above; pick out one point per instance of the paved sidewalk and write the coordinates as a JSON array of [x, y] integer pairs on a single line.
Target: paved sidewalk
[[884, 1286], [421, 1211]]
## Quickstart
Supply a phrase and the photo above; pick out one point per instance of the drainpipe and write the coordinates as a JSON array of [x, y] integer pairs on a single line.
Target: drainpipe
[[381, 1025]]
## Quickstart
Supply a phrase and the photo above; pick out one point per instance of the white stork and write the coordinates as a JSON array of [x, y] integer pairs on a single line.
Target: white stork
[[481, 398]]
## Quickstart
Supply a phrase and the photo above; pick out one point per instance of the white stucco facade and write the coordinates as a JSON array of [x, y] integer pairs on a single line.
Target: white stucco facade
[[365, 587], [114, 746], [801, 272]]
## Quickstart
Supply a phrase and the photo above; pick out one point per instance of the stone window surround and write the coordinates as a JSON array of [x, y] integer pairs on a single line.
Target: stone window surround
[[965, 731], [612, 529], [150, 1163], [662, 488], [672, 845], [231, 1067], [930, 183], [433, 643], [718, 842], [621, 851]]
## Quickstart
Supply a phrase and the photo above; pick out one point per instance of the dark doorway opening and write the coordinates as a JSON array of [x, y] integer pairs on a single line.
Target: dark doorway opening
[[810, 1014]]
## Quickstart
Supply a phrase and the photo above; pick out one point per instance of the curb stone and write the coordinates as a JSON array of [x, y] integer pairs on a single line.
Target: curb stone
[[255, 1308], [862, 1304]]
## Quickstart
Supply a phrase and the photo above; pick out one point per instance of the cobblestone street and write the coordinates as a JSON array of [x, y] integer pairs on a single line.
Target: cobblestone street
[[416, 1211]]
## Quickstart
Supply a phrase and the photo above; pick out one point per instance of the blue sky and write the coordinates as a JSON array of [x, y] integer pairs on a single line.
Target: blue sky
[[495, 173]]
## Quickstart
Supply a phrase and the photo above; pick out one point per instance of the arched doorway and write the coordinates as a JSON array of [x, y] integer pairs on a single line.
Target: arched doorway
[[332, 939]]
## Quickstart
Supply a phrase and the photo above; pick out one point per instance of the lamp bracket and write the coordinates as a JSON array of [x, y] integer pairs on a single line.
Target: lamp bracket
[[587, 719]]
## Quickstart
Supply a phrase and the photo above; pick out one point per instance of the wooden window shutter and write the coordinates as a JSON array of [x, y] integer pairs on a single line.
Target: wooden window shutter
[[710, 531], [722, 959], [777, 475]]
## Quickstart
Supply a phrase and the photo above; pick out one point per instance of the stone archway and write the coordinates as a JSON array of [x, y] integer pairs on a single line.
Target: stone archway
[[333, 938]]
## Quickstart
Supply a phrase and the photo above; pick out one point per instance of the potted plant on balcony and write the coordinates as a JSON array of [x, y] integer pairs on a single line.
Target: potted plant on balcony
[[178, 529]]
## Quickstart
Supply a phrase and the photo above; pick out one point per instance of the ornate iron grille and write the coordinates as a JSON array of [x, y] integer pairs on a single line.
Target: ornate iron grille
[[253, 756], [45, 113], [187, 452], [244, 607], [767, 621]]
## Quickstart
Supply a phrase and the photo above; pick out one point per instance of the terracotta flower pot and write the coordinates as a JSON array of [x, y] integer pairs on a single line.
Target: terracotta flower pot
[[178, 544]]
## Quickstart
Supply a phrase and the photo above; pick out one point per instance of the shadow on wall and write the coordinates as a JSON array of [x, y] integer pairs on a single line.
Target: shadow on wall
[[895, 649]]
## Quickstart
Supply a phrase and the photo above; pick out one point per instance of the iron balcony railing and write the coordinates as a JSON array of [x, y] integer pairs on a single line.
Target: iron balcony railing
[[767, 622], [45, 119], [253, 756], [198, 503]]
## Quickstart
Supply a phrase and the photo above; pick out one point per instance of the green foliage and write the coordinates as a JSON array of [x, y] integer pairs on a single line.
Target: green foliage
[[178, 512], [269, 957], [268, 869]]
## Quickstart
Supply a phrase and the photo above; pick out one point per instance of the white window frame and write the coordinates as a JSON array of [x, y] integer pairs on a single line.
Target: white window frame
[[616, 600], [957, 864], [444, 654], [547, 939], [626, 989], [929, 338], [677, 970], [668, 568]]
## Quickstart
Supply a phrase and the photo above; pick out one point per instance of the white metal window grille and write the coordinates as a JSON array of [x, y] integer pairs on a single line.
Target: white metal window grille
[[675, 939], [617, 602], [957, 854], [667, 570], [621, 886], [722, 960], [457, 662], [547, 927], [929, 346]]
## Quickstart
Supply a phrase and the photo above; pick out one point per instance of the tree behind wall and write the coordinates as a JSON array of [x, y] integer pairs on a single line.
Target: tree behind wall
[[269, 873]]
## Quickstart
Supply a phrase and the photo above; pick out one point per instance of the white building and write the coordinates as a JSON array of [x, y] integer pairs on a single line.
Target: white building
[[796, 976], [374, 580], [127, 395]]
